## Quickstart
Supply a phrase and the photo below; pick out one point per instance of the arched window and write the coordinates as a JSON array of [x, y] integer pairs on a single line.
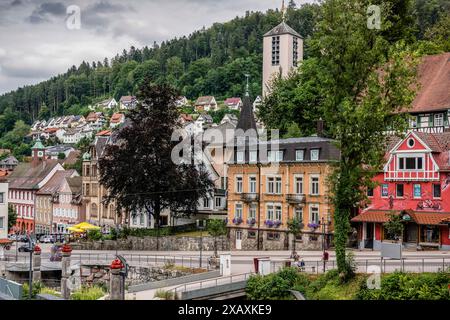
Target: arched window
[[94, 210]]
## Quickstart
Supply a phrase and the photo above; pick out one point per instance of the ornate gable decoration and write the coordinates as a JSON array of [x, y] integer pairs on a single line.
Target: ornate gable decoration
[[411, 159]]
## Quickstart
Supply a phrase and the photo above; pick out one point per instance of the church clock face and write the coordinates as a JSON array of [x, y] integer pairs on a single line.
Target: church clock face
[[40, 154]]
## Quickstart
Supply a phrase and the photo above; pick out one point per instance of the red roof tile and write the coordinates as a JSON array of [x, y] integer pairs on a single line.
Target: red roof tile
[[104, 133], [373, 216], [429, 218], [434, 80]]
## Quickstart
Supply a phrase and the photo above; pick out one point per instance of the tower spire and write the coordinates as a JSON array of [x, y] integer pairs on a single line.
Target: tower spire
[[247, 87], [283, 11]]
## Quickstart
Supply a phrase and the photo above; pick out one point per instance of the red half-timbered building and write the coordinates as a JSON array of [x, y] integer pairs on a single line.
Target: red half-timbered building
[[415, 183]]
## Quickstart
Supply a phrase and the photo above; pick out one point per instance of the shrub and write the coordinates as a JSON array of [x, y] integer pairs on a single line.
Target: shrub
[[272, 287], [94, 235], [163, 294], [88, 293], [408, 286], [37, 287]]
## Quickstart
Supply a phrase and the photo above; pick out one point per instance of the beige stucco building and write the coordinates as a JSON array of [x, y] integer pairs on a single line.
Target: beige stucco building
[[97, 212]]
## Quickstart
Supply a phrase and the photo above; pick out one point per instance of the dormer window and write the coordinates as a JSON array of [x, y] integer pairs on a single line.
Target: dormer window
[[410, 163], [314, 154]]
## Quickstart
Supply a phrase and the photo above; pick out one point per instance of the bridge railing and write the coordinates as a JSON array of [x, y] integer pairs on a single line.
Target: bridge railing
[[211, 283], [410, 264]]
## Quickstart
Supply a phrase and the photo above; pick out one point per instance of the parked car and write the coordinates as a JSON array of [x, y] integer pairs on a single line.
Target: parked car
[[26, 247], [47, 239], [12, 237], [22, 238]]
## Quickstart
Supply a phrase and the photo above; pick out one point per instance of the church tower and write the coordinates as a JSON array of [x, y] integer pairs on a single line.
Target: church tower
[[38, 153], [282, 52]]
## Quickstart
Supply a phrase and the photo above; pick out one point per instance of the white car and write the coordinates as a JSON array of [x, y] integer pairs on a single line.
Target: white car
[[46, 239]]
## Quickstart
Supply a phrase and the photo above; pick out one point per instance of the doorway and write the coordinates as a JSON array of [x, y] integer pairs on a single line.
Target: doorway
[[411, 233], [368, 241], [238, 240]]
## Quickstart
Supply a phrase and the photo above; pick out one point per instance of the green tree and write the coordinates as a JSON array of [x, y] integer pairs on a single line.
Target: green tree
[[44, 113], [140, 173], [295, 227], [293, 131], [216, 228], [394, 227], [358, 101], [61, 156]]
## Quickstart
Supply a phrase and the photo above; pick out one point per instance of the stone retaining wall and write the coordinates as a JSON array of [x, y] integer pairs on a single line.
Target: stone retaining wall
[[171, 243]]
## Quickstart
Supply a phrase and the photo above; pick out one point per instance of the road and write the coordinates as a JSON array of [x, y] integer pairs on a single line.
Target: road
[[242, 261]]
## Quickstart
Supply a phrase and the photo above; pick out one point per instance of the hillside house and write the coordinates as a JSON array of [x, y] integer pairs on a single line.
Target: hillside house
[[206, 103]]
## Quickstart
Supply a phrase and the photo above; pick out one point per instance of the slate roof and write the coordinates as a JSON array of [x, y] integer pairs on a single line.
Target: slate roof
[[25, 176], [11, 160], [74, 184], [282, 28], [54, 184], [247, 118]]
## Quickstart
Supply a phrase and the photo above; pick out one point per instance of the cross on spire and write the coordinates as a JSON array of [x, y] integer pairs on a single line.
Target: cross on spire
[[283, 11]]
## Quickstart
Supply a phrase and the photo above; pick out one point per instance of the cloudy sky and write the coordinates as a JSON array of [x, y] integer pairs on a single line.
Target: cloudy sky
[[39, 39]]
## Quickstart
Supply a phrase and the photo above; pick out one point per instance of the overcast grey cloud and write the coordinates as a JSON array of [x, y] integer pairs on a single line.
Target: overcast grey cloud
[[35, 43]]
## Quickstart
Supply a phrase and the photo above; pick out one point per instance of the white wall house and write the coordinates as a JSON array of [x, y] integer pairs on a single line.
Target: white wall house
[[3, 217], [3, 210]]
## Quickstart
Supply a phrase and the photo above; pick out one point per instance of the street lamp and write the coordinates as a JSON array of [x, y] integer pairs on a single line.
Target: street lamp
[[325, 254], [30, 280], [201, 226]]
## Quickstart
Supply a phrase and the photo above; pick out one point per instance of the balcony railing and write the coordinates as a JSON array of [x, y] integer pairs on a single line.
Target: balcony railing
[[249, 197], [295, 198]]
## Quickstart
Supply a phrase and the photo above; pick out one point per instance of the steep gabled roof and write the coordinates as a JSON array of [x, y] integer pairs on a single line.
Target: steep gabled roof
[[247, 118], [25, 176], [204, 100], [434, 79], [54, 184], [282, 28]]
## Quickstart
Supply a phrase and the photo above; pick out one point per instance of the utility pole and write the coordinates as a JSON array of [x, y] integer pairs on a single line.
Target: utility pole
[[30, 280], [201, 227]]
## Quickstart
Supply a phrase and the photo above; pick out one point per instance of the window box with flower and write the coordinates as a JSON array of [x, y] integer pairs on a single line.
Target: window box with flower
[[269, 223], [251, 221], [237, 220], [313, 226]]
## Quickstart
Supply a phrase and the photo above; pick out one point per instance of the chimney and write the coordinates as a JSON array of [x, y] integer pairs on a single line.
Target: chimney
[[320, 127]]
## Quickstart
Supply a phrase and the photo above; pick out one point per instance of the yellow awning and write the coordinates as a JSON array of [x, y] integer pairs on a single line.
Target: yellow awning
[[86, 226], [73, 229]]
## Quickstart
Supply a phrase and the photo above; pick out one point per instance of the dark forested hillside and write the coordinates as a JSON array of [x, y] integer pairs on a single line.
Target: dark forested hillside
[[209, 61]]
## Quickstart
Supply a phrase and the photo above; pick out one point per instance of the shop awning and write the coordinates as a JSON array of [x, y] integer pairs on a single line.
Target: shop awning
[[380, 216], [5, 242], [86, 226]]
